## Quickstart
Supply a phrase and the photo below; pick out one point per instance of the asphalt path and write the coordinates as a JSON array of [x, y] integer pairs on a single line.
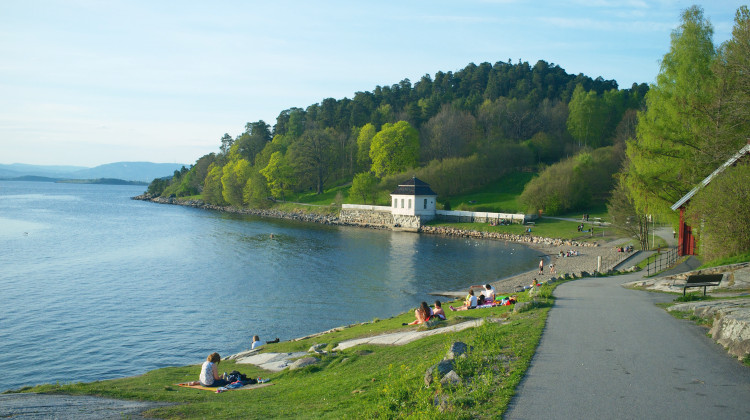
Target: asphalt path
[[608, 352]]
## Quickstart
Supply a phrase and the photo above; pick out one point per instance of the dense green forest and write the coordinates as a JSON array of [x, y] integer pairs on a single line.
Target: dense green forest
[[638, 149], [457, 131]]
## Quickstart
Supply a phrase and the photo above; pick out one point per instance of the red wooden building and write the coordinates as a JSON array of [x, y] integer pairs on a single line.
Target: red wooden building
[[686, 241]]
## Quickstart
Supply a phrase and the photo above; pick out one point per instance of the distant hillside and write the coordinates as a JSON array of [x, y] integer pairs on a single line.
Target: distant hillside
[[128, 171]]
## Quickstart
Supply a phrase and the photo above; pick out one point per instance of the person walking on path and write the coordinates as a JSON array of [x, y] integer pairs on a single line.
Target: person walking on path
[[610, 352]]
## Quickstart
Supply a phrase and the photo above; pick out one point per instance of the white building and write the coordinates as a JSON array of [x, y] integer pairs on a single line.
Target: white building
[[414, 198]]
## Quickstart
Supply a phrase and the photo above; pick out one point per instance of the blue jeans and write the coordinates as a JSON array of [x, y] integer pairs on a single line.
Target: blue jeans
[[218, 382]]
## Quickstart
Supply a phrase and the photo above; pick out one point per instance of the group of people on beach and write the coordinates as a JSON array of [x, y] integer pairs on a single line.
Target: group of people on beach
[[569, 253]]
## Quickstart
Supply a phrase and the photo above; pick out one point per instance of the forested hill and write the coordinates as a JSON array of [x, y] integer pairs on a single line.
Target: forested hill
[[455, 130]]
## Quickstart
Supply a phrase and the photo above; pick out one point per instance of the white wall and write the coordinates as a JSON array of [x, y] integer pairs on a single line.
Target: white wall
[[413, 205]]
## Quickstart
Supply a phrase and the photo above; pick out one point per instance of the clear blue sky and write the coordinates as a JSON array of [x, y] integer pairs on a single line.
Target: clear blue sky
[[87, 82]]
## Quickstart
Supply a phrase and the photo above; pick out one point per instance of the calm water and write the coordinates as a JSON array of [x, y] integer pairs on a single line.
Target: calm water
[[95, 285]]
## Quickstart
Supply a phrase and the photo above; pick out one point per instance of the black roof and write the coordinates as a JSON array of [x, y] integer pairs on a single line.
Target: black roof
[[414, 186]]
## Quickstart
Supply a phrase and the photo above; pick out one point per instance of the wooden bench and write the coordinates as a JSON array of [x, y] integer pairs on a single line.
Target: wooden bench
[[702, 280]]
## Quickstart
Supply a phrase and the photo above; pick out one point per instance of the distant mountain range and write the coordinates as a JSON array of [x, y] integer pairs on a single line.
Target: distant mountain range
[[127, 171]]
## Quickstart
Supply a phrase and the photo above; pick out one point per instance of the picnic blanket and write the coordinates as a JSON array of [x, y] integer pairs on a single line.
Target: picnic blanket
[[215, 389]]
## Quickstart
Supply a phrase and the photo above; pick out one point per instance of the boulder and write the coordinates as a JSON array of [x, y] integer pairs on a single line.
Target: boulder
[[451, 379], [318, 348], [457, 349], [523, 306], [305, 361], [437, 371]]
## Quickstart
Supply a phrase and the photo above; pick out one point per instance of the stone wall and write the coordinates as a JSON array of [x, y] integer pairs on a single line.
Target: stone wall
[[365, 217], [407, 221]]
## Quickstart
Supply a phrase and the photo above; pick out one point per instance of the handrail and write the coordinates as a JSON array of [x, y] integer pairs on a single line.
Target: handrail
[[662, 261]]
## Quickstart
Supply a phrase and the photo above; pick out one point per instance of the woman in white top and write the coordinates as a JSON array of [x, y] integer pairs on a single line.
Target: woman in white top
[[469, 303], [257, 343], [210, 372]]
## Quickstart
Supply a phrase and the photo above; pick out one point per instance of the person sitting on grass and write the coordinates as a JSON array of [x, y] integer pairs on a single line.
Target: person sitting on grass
[[488, 292], [210, 372], [422, 314], [438, 311], [469, 303], [257, 343]]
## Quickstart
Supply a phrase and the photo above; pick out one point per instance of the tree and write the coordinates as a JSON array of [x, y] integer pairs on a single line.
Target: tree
[[313, 156], [672, 152], [587, 118], [363, 186], [724, 230], [732, 98], [394, 149], [233, 180], [255, 192], [278, 174], [625, 217], [364, 139], [226, 143], [450, 133], [212, 193], [253, 140]]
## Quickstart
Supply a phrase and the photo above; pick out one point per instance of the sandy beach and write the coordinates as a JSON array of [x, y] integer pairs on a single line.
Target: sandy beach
[[585, 261]]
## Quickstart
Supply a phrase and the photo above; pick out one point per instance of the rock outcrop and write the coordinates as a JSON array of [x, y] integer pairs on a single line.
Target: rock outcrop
[[731, 322]]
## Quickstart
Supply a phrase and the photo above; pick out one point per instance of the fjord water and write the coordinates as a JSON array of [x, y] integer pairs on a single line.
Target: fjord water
[[95, 285]]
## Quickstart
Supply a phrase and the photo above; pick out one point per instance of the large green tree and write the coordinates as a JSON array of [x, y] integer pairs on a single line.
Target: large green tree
[[279, 175], [314, 156], [672, 151], [233, 179], [364, 187], [364, 139], [587, 118], [394, 149]]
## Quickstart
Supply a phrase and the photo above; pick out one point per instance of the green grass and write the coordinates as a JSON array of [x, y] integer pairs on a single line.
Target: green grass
[[325, 199], [599, 210], [548, 228], [744, 257], [499, 197], [364, 381]]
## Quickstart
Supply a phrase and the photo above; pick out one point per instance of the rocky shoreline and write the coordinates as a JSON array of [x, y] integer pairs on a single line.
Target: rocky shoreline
[[584, 264], [335, 220]]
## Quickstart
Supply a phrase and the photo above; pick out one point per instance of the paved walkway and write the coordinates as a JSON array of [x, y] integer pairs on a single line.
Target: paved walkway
[[609, 352]]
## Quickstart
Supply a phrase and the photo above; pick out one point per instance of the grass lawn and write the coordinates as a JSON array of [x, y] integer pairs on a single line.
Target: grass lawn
[[363, 381], [548, 228], [499, 197]]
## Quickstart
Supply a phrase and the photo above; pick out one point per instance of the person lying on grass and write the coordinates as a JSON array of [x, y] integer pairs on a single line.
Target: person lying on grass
[[469, 303]]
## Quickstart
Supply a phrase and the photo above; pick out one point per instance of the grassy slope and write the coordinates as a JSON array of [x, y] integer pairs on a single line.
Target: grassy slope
[[499, 197], [369, 381]]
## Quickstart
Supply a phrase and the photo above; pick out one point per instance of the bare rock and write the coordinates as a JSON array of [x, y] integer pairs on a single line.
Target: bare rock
[[317, 348], [305, 361], [451, 379], [457, 349]]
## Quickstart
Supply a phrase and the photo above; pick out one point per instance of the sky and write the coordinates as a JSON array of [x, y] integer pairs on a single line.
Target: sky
[[90, 82]]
